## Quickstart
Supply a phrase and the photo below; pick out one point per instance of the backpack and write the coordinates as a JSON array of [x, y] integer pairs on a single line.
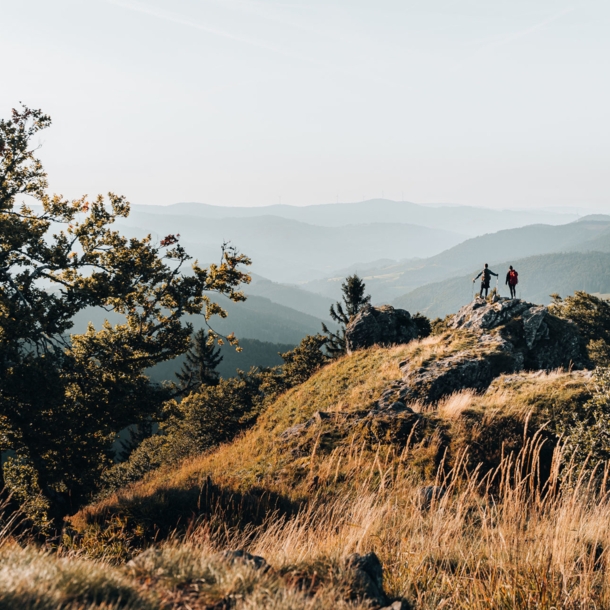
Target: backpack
[[513, 277], [486, 276]]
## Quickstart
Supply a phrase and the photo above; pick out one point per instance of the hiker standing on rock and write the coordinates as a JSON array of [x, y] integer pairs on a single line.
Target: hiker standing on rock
[[512, 279], [485, 276]]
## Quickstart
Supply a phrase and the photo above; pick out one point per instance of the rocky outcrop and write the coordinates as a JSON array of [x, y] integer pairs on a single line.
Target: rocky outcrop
[[463, 371], [239, 556], [531, 335], [512, 336], [380, 326], [483, 316]]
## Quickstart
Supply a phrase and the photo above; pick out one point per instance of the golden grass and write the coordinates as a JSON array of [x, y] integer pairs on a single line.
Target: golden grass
[[493, 422], [525, 546], [36, 580]]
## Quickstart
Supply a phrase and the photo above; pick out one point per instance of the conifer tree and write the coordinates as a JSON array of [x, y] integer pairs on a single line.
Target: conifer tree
[[201, 362], [354, 300]]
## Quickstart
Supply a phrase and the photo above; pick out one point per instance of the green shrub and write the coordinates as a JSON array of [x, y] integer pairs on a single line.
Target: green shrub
[[592, 316], [587, 429]]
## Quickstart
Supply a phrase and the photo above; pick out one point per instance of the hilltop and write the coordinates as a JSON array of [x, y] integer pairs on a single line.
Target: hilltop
[[424, 453]]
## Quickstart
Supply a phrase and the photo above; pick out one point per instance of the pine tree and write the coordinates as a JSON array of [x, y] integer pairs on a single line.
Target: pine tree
[[354, 300], [201, 362]]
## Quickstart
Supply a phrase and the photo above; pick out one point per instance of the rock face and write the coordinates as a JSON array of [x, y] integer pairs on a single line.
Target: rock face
[[462, 371], [367, 576], [531, 335], [380, 326], [481, 316], [512, 336]]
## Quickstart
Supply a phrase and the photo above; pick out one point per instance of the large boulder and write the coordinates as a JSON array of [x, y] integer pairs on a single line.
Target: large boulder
[[455, 373], [512, 336], [530, 332], [367, 578], [380, 326], [479, 315]]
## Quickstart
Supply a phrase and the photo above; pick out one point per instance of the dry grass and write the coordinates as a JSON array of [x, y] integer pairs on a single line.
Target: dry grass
[[522, 547], [331, 460], [502, 533], [525, 548]]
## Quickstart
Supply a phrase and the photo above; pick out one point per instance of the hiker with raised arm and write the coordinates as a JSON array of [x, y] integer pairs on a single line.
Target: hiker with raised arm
[[485, 276], [512, 279]]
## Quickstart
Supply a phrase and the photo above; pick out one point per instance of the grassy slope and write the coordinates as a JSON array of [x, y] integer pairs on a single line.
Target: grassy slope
[[326, 456], [466, 550]]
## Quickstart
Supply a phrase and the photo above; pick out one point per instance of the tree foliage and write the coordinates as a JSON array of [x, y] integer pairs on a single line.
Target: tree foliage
[[304, 360], [587, 430], [354, 299], [202, 359], [64, 397], [215, 414], [592, 316]]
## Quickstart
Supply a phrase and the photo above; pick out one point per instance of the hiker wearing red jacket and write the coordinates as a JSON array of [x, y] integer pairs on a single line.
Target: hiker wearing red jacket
[[512, 279], [485, 276]]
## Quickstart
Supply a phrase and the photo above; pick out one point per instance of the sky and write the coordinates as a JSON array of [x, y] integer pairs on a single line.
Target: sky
[[496, 103]]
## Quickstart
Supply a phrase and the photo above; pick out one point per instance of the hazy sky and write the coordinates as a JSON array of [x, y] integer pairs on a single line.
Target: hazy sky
[[241, 102]]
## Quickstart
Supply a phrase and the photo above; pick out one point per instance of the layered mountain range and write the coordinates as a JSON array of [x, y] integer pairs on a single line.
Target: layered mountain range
[[421, 258]]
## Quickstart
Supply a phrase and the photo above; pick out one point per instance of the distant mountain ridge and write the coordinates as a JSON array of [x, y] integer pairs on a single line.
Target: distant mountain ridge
[[287, 250], [456, 218], [392, 281]]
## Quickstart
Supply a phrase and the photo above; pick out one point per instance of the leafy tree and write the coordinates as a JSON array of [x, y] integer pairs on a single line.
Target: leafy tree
[[201, 361], [304, 360], [424, 326], [63, 398], [354, 300], [216, 414], [587, 430], [592, 316]]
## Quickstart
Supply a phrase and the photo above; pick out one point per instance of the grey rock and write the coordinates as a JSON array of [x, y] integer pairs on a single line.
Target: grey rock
[[380, 326], [456, 373], [512, 335], [480, 315], [243, 557], [367, 577], [295, 430], [533, 325], [429, 493]]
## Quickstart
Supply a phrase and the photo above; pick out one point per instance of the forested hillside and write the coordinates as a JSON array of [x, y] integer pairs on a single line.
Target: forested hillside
[[291, 296], [256, 318], [254, 353], [389, 282], [539, 277]]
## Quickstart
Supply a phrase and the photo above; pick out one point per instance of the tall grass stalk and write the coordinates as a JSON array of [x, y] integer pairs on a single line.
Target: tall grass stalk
[[506, 540]]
